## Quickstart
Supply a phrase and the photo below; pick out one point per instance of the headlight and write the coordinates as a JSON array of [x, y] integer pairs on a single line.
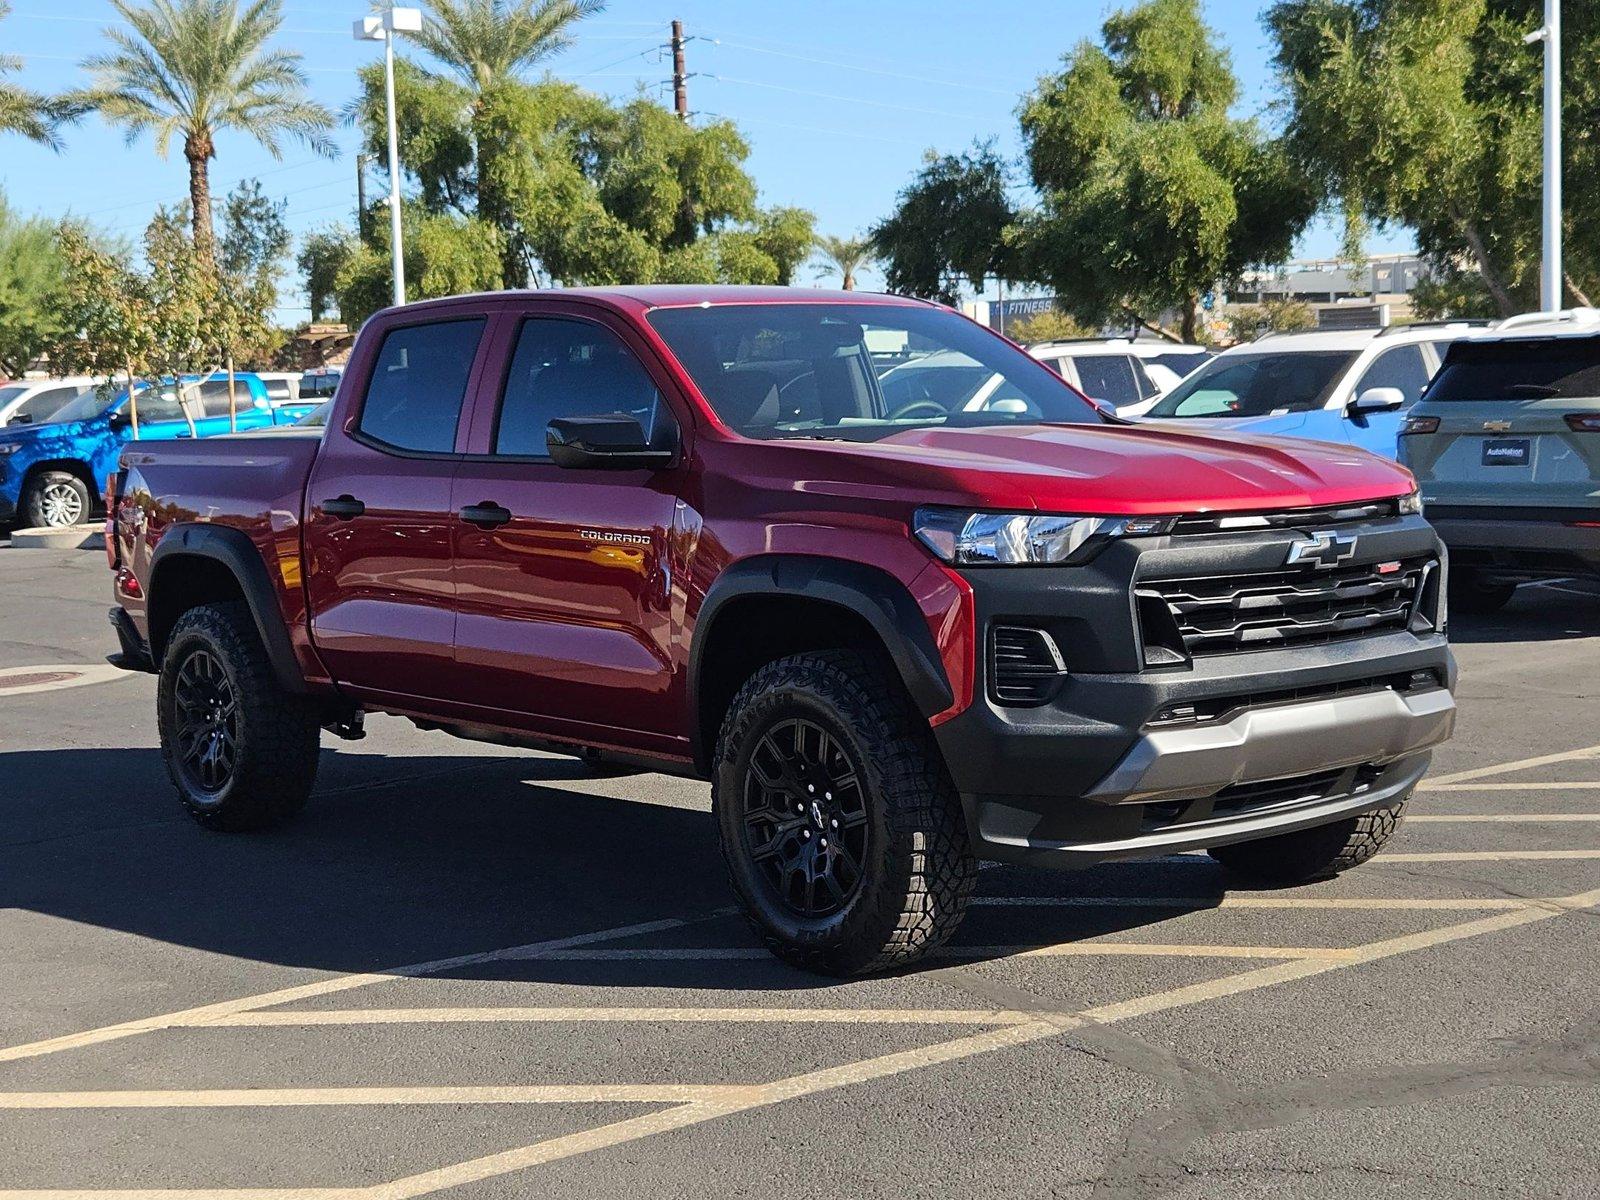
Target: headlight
[[1411, 505], [981, 538]]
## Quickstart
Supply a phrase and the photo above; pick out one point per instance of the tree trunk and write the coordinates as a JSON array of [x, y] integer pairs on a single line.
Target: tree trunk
[[1578, 293], [133, 400], [1480, 252], [198, 150], [849, 281], [1191, 318], [233, 400]]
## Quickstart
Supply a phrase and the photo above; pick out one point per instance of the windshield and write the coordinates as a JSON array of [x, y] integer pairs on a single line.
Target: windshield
[[1179, 362], [859, 371], [90, 404], [1257, 385]]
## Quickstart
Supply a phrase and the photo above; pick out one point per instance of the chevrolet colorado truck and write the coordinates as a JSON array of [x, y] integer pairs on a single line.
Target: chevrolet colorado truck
[[680, 529]]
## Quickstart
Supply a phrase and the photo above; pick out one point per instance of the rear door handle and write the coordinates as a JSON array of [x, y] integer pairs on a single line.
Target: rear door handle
[[486, 515], [344, 507]]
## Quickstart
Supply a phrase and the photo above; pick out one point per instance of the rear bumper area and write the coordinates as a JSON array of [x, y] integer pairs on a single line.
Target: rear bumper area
[[1547, 546], [1113, 744]]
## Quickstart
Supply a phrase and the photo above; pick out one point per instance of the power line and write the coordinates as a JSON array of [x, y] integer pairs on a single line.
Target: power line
[[844, 66], [778, 87]]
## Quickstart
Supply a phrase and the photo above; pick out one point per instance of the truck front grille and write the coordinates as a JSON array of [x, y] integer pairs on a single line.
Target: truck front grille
[[1268, 609]]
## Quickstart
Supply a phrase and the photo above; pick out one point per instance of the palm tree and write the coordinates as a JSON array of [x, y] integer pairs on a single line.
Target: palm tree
[[194, 68], [844, 256], [486, 41], [34, 115]]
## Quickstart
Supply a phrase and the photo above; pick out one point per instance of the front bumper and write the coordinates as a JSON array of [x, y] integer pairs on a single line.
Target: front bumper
[[1126, 760], [1543, 547]]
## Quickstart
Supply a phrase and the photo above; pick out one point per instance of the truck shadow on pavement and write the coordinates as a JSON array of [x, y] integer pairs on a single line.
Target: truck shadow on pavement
[[405, 860], [1536, 613]]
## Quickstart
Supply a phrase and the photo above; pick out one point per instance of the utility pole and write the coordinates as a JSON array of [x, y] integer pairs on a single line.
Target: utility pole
[[1551, 282], [680, 76], [361, 196]]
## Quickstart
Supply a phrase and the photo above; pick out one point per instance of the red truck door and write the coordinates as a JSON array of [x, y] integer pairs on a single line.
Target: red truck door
[[564, 584], [379, 515]]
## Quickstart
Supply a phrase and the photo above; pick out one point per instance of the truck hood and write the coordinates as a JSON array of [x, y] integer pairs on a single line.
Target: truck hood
[[29, 435], [1125, 469]]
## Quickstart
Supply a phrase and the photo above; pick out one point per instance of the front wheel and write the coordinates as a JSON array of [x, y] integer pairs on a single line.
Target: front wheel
[[842, 833], [1316, 853], [56, 500], [241, 750]]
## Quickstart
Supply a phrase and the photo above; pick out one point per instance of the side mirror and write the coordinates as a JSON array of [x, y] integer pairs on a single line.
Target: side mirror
[[612, 442], [22, 419], [119, 418], [1376, 400]]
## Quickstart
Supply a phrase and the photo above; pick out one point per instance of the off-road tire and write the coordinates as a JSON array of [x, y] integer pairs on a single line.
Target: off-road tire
[[1317, 853], [276, 733], [1474, 595], [919, 870], [35, 507]]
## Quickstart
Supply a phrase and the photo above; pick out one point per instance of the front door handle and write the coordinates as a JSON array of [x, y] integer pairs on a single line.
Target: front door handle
[[344, 507], [486, 515]]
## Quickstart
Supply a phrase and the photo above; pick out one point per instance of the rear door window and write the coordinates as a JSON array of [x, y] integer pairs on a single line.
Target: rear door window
[[1524, 369], [1403, 368], [418, 383], [567, 368], [1108, 377]]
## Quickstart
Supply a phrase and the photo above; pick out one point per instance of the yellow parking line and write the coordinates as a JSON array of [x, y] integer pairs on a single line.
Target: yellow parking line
[[1521, 764], [797, 1016], [1486, 855], [625, 1093], [1206, 903], [325, 987], [1508, 818], [1425, 786]]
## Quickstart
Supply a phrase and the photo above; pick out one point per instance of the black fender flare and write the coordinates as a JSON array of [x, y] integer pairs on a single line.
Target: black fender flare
[[235, 551], [866, 591]]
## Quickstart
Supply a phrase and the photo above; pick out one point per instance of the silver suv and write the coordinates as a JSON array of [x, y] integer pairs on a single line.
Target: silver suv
[[1505, 445]]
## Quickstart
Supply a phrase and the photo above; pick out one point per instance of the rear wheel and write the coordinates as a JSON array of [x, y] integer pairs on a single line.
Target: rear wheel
[[241, 750], [1316, 853], [842, 833], [56, 500], [1471, 592]]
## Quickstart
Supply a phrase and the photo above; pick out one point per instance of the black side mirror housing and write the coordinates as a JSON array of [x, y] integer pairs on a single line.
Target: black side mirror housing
[[611, 442]]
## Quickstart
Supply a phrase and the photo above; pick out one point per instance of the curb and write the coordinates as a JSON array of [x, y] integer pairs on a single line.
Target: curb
[[75, 537]]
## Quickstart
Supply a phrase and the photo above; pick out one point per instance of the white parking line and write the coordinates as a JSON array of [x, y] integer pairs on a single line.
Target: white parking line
[[1508, 787], [1021, 950], [1206, 903], [1521, 764], [1487, 856], [1506, 818]]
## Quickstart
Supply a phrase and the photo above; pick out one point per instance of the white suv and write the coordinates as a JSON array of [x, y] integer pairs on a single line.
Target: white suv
[[1347, 386], [1128, 375], [30, 401]]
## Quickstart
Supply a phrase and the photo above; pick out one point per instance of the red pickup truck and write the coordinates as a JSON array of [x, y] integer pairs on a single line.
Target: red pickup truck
[[905, 597]]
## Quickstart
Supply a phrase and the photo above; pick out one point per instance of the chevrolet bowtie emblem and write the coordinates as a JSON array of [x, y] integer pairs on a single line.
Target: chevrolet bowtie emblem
[[1497, 426], [1323, 549]]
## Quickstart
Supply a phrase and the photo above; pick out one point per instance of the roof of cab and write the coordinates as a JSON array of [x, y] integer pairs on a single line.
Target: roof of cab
[[643, 297]]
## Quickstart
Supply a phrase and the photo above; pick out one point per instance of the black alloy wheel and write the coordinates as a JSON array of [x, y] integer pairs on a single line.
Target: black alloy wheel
[[207, 726], [805, 818]]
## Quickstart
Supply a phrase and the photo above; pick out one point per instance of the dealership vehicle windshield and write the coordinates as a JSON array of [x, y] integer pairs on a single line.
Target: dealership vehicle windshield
[[859, 372], [1256, 385]]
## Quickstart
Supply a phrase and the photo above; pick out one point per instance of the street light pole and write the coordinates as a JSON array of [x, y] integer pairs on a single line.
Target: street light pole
[[383, 28], [1551, 282]]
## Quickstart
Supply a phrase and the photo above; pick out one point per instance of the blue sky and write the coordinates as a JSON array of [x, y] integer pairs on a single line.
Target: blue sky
[[838, 99]]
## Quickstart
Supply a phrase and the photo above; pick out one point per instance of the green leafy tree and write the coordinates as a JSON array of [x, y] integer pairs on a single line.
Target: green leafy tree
[[487, 41], [844, 256], [323, 253], [1055, 326], [196, 68], [34, 115], [1150, 191], [949, 225], [254, 244], [1250, 321], [1427, 114], [32, 275], [445, 255]]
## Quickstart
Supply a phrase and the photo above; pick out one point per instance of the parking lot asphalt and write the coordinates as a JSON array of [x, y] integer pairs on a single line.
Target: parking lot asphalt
[[477, 973]]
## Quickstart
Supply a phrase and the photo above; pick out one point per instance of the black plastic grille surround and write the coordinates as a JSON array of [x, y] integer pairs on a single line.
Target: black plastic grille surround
[[1268, 609], [1025, 667]]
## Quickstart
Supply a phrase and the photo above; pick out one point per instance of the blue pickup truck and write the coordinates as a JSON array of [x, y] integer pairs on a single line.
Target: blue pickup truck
[[50, 472]]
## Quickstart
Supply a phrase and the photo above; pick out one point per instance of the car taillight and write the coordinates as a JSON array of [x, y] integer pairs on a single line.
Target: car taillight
[[1419, 425], [1583, 422]]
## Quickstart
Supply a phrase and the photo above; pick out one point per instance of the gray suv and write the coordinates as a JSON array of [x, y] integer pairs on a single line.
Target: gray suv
[[1505, 445]]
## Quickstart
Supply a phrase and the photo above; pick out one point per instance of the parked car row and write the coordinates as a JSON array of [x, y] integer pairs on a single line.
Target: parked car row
[[51, 464]]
